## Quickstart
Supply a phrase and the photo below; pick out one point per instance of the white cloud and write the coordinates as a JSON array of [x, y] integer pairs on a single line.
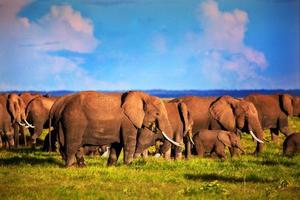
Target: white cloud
[[27, 53], [224, 57]]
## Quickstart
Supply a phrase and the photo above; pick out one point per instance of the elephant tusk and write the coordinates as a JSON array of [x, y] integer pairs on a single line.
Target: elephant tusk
[[191, 139], [21, 124], [173, 142], [31, 126], [258, 140]]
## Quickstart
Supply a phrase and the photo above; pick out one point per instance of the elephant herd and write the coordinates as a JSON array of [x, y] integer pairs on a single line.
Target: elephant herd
[[92, 121]]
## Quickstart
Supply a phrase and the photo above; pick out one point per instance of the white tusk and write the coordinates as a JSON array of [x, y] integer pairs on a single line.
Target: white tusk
[[191, 139], [173, 142], [28, 124], [258, 140], [21, 124]]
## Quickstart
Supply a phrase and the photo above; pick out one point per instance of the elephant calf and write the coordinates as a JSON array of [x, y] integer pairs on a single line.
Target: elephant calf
[[216, 141], [291, 144]]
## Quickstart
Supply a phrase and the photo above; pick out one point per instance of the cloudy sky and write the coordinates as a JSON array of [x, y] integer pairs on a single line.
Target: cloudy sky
[[149, 44]]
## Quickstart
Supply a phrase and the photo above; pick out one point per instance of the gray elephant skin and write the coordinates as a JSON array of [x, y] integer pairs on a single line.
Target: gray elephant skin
[[215, 141], [94, 118]]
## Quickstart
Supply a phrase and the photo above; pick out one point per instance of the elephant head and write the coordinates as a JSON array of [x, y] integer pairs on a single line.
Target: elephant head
[[16, 108], [238, 115], [290, 104], [148, 114], [230, 140]]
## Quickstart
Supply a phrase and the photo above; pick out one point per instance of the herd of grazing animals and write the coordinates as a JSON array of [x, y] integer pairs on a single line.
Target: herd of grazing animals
[[92, 122]]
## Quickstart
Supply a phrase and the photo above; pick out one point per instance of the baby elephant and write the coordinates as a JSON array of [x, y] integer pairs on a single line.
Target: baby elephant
[[216, 141], [291, 144]]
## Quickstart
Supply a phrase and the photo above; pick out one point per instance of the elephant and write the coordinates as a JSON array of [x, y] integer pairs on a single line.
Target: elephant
[[215, 141], [273, 111], [12, 114], [95, 118], [37, 113], [224, 113], [26, 97], [291, 144], [181, 123]]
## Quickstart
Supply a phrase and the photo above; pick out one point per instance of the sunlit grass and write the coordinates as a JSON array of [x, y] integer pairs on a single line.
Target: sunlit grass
[[27, 174]]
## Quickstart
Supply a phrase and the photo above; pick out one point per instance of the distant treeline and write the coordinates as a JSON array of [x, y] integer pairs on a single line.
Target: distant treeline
[[179, 93]]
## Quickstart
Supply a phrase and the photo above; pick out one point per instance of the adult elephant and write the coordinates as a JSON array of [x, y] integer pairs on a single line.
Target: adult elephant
[[181, 124], [26, 97], [37, 113], [273, 111], [93, 118], [224, 113], [12, 114]]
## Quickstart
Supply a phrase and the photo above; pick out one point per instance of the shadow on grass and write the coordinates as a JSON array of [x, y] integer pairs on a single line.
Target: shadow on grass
[[230, 179], [29, 156], [24, 159], [286, 163]]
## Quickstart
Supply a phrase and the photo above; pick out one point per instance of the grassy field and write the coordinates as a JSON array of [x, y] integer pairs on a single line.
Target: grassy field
[[27, 174]]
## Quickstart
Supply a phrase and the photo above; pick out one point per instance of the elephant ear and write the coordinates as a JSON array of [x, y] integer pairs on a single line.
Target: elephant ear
[[134, 108], [12, 108], [224, 138], [183, 110], [287, 104], [221, 110]]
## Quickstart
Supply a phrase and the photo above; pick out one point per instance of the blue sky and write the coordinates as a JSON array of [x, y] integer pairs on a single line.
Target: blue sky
[[149, 44]]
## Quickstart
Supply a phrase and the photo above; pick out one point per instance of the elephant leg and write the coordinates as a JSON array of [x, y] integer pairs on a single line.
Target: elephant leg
[[114, 153], [145, 153], [178, 150], [16, 135], [187, 146], [73, 139], [166, 149], [80, 158], [10, 139], [1, 144], [233, 151], [22, 132], [199, 149], [274, 134], [220, 151], [129, 134]]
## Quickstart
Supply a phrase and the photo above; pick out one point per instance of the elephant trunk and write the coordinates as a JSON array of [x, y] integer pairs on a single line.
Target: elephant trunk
[[145, 139], [166, 130], [257, 133]]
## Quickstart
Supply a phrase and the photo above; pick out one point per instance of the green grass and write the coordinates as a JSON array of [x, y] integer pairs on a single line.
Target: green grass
[[27, 174]]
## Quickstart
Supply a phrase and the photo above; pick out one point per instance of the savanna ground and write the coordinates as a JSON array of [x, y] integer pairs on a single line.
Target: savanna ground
[[27, 174]]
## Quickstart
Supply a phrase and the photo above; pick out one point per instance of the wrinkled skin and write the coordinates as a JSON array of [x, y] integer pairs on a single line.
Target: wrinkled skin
[[12, 112], [215, 141], [37, 113], [181, 124], [273, 111], [291, 144], [93, 118], [224, 113]]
